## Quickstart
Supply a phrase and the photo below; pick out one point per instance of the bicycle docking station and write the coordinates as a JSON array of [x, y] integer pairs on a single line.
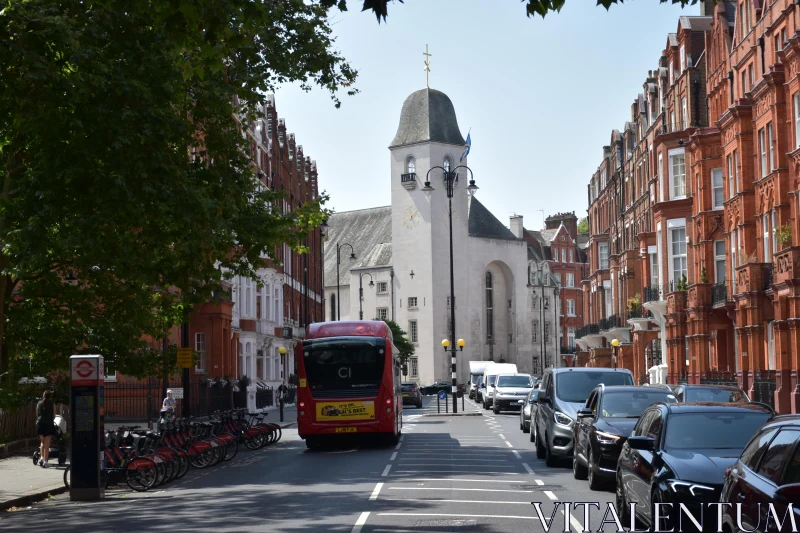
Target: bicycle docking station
[[87, 463]]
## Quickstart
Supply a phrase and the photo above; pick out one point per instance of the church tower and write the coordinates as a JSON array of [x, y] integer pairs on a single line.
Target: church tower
[[427, 137]]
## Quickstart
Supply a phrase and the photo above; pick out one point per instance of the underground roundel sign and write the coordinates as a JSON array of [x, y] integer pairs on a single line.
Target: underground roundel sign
[[84, 370]]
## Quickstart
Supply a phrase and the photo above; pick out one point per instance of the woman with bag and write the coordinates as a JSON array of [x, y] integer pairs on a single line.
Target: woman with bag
[[45, 415]]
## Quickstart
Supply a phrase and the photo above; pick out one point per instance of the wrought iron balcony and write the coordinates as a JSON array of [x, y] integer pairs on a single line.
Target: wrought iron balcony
[[715, 377], [721, 294], [604, 324], [565, 350], [651, 293], [405, 178], [638, 313]]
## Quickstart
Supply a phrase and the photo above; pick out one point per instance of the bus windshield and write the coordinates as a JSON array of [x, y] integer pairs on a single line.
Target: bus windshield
[[343, 363]]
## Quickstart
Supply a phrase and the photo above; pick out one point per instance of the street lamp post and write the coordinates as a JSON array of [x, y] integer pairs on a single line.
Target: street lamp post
[[338, 262], [361, 293], [281, 351], [446, 345], [615, 345], [450, 178]]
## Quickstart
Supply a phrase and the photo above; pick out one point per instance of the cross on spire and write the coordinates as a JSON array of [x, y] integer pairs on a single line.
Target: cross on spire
[[427, 66]]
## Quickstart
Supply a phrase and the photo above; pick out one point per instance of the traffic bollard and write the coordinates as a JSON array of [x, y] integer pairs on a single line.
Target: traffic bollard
[[438, 405], [281, 404]]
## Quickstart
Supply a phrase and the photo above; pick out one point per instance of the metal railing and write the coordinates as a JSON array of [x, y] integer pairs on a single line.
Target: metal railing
[[566, 350], [638, 313], [589, 329], [716, 377], [405, 178], [721, 293], [765, 384]]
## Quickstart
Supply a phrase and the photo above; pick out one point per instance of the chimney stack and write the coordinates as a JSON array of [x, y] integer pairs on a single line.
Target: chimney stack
[[516, 226]]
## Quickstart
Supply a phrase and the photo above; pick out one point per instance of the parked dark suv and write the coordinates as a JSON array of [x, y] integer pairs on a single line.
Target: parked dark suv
[[767, 472], [563, 392], [710, 393]]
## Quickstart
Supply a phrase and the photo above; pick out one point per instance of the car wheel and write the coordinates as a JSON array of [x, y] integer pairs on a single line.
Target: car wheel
[[549, 459], [526, 427], [595, 481], [419, 405], [666, 518], [578, 470], [540, 453], [622, 506], [496, 408]]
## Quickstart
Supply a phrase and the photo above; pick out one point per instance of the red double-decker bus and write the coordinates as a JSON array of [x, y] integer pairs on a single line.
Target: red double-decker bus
[[349, 382]]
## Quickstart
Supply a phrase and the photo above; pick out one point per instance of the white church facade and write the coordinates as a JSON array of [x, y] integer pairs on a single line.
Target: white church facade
[[401, 269]]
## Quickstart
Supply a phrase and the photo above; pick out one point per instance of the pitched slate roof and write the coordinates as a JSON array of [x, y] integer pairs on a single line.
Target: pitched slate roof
[[428, 115], [696, 23], [482, 223], [368, 231]]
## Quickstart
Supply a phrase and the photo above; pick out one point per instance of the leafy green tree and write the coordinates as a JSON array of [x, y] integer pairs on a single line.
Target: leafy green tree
[[126, 193], [583, 226], [404, 346]]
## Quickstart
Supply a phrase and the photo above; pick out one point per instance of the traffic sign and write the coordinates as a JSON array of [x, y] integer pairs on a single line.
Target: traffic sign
[[185, 357], [442, 395], [177, 393]]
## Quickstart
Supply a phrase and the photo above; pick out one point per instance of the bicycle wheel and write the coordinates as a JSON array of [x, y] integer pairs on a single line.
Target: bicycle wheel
[[141, 474], [231, 447], [67, 477]]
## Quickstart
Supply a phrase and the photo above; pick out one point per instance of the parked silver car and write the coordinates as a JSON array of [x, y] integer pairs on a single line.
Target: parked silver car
[[509, 390]]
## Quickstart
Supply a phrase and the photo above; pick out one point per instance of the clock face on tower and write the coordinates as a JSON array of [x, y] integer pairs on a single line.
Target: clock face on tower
[[411, 217]]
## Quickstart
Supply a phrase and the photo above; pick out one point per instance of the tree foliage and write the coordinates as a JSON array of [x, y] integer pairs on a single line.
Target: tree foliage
[[404, 346], [583, 226], [110, 231]]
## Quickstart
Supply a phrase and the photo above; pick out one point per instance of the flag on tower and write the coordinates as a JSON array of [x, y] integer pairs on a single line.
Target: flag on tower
[[469, 145]]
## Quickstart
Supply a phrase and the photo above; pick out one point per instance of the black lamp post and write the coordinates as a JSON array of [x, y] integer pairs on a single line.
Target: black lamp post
[[338, 262], [450, 178], [361, 293]]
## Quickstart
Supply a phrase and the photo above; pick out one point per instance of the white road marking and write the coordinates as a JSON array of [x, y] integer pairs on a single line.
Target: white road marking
[[406, 470], [464, 489], [516, 454], [539, 482], [386, 470], [458, 464], [360, 522], [509, 444], [463, 515], [374, 495], [528, 468], [550, 495], [459, 480], [402, 437], [394, 456], [502, 436], [398, 445], [452, 501]]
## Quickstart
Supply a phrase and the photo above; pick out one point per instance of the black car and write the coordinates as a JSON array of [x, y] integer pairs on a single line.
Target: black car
[[411, 394], [664, 386], [604, 425], [710, 393], [767, 472], [527, 410], [678, 453]]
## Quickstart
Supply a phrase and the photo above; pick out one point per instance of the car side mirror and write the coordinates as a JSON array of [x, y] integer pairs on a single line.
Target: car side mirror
[[642, 443], [494, 386], [787, 494], [585, 413], [544, 399], [483, 385]]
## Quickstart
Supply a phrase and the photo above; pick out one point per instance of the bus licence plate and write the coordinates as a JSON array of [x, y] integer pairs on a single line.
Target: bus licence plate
[[345, 430]]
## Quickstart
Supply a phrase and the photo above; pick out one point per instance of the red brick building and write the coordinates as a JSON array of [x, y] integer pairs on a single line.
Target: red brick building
[[716, 268]]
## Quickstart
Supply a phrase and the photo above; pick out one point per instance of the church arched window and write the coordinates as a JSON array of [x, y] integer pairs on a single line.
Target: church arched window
[[447, 163], [489, 308], [333, 307], [411, 165]]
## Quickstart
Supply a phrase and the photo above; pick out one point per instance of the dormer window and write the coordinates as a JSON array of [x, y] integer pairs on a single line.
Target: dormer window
[[411, 166]]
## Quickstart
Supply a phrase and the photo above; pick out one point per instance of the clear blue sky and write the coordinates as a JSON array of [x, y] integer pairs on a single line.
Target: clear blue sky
[[541, 96]]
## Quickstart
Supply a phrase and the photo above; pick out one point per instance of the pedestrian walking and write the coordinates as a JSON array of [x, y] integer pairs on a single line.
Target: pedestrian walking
[[283, 391], [45, 415]]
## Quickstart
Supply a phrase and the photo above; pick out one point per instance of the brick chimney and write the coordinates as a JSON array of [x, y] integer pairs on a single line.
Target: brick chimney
[[569, 220], [707, 8], [516, 226]]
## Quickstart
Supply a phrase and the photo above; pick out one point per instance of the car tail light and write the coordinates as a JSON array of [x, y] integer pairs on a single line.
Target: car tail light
[[414, 389]]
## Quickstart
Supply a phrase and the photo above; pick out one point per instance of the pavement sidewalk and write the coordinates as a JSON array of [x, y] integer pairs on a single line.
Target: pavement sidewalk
[[22, 483]]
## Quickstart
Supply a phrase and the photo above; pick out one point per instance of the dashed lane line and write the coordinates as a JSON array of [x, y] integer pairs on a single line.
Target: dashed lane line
[[360, 523], [516, 454], [398, 445], [502, 436], [539, 482], [386, 470], [509, 444], [374, 495], [394, 456], [528, 468], [550, 495]]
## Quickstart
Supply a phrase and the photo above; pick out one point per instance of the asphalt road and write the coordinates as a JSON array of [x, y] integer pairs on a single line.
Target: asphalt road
[[472, 473]]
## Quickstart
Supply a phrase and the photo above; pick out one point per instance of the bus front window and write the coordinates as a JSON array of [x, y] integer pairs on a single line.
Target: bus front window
[[344, 363]]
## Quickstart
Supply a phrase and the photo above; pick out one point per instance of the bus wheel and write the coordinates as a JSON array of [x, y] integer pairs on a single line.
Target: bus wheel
[[312, 443], [392, 439]]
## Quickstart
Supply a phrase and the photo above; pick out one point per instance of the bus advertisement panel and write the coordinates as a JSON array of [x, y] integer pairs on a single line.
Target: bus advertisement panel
[[349, 382]]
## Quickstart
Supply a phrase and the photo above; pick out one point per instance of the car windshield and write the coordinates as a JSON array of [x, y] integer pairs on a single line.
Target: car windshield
[[407, 387], [714, 394], [474, 378], [514, 381], [492, 379], [718, 430], [631, 404], [576, 386]]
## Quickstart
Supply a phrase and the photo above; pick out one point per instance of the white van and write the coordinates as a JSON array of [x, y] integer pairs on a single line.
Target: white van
[[489, 376]]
